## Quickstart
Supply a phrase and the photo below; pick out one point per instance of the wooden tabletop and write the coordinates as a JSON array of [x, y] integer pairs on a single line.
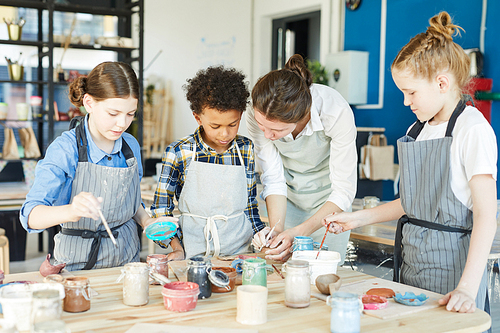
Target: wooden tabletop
[[109, 314]]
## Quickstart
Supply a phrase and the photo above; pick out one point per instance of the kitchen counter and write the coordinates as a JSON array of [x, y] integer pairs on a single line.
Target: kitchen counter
[[109, 314]]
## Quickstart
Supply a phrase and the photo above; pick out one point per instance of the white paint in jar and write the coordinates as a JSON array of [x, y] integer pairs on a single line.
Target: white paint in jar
[[136, 284], [297, 284]]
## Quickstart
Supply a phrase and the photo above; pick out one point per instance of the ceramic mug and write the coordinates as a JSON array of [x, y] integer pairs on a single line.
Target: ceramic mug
[[251, 305]]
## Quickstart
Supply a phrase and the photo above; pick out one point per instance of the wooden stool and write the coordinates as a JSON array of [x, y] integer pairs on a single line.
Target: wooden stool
[[4, 252]]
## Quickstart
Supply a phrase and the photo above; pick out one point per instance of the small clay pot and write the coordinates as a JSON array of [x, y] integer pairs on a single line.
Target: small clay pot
[[328, 283], [231, 273]]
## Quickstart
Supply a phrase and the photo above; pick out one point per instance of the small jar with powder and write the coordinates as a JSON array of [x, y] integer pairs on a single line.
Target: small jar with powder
[[46, 306], [136, 284], [158, 263], [77, 292], [297, 284]]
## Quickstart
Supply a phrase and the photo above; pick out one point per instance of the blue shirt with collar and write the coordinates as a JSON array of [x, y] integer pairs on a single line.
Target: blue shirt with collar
[[55, 173]]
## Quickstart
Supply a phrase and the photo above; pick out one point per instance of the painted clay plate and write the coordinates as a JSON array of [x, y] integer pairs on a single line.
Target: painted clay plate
[[159, 231], [374, 302], [409, 298]]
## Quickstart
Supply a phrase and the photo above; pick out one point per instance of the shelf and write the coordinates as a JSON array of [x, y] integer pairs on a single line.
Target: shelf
[[21, 42], [24, 4], [23, 82], [101, 48], [92, 10]]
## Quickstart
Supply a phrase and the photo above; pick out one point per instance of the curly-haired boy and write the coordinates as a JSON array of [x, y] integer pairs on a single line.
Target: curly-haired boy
[[211, 172]]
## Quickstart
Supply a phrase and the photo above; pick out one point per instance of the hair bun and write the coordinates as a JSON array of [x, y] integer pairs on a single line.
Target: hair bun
[[442, 28], [77, 90]]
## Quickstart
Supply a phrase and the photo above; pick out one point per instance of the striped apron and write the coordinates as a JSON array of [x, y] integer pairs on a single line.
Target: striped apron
[[85, 244], [432, 239], [212, 206], [306, 162]]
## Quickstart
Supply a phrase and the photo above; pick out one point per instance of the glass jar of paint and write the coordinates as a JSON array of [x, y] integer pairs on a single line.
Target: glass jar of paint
[[297, 284], [346, 312], [136, 284], [231, 274], [46, 306], [302, 243], [255, 272], [158, 263], [77, 292], [198, 269], [370, 202]]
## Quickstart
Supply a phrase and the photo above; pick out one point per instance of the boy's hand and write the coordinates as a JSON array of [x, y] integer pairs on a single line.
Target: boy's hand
[[259, 239], [176, 255], [84, 204]]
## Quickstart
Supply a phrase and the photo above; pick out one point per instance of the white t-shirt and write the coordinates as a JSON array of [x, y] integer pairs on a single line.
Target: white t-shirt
[[473, 150], [329, 113]]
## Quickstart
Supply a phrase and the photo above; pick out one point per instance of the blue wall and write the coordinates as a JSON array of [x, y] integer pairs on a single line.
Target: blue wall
[[405, 19]]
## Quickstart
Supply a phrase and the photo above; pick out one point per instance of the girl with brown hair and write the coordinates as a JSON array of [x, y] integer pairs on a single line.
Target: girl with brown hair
[[93, 167], [447, 210], [305, 143]]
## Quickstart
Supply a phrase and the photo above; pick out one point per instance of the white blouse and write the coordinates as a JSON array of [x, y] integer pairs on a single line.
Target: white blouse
[[330, 113]]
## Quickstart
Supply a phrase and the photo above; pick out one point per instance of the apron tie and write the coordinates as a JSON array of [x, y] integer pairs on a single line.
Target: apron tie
[[211, 232], [96, 242], [398, 246]]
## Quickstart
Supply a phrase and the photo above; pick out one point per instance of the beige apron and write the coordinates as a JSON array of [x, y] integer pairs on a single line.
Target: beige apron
[[85, 244], [306, 163], [212, 205]]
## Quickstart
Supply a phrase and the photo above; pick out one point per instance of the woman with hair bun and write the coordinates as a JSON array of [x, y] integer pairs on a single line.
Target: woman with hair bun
[[93, 167], [448, 205], [305, 143]]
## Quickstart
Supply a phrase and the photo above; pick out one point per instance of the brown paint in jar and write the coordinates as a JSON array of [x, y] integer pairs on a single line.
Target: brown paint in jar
[[77, 294], [231, 274]]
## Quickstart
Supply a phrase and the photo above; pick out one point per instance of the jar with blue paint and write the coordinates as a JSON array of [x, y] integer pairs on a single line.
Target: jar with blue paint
[[346, 312], [302, 243]]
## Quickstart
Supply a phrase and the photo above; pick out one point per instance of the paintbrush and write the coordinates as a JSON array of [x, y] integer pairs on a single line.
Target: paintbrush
[[269, 235], [323, 241], [107, 227], [278, 271]]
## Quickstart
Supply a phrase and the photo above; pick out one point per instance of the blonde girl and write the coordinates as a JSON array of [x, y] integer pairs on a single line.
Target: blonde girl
[[447, 209]]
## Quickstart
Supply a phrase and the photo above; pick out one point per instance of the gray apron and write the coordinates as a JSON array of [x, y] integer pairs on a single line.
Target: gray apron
[[306, 163], [432, 239], [212, 206], [85, 244]]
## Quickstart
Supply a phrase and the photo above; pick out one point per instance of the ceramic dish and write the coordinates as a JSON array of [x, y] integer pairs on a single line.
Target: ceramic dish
[[373, 302], [409, 298], [161, 231]]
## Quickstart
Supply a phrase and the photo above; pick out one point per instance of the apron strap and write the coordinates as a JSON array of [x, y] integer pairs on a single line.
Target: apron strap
[[418, 126], [210, 230], [398, 246], [81, 142], [96, 243]]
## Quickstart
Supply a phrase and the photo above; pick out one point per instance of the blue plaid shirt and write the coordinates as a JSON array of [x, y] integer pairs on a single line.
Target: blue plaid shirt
[[176, 160]]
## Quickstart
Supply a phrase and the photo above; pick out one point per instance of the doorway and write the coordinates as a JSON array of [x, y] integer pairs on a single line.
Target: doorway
[[295, 34]]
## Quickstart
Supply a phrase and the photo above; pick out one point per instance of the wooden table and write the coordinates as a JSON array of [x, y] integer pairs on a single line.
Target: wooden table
[[109, 314]]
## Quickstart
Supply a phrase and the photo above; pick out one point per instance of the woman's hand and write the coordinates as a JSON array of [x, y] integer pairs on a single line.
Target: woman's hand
[[84, 204], [340, 222], [459, 300], [281, 245]]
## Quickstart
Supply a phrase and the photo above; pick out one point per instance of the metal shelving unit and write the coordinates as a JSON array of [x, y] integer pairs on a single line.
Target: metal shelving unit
[[46, 47]]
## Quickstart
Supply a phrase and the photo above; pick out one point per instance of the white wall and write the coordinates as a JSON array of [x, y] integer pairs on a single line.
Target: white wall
[[194, 34]]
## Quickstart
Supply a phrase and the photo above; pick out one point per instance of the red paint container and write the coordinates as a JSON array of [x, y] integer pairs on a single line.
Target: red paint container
[[180, 296]]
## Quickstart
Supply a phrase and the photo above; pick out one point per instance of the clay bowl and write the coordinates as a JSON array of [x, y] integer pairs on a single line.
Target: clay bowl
[[328, 283]]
